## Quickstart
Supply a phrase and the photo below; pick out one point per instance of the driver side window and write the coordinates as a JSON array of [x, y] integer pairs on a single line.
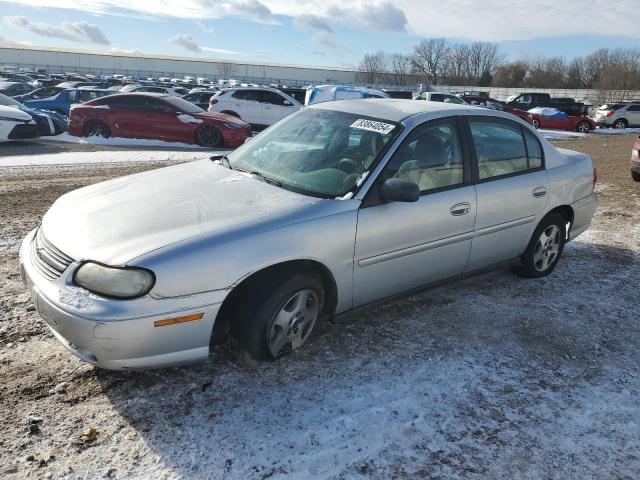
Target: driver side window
[[430, 156]]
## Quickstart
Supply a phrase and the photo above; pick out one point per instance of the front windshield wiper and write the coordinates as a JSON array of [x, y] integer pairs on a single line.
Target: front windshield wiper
[[224, 160], [261, 177]]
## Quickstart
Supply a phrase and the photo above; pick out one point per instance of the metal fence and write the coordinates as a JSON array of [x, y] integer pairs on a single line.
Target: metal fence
[[584, 95]]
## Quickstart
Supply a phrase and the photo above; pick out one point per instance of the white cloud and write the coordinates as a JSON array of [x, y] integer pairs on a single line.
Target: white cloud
[[5, 42], [185, 41], [312, 23], [490, 20], [189, 43], [74, 31]]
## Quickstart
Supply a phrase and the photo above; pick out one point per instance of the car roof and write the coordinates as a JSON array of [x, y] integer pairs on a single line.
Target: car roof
[[393, 109]]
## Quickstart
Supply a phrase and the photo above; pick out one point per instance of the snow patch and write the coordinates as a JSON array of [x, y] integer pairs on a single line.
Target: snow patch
[[122, 142]]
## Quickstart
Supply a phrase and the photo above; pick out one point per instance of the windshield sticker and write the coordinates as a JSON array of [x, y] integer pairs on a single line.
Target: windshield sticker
[[373, 126]]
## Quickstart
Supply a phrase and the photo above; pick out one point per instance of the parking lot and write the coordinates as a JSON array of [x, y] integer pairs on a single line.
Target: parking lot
[[492, 377]]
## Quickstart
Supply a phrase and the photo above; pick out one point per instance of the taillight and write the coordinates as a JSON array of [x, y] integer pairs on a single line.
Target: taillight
[[213, 101], [610, 113], [595, 176]]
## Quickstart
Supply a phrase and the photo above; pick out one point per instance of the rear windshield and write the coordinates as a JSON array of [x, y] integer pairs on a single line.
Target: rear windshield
[[612, 106], [182, 105]]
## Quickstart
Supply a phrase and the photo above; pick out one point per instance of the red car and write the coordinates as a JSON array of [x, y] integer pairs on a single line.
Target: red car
[[580, 123], [635, 161], [158, 117]]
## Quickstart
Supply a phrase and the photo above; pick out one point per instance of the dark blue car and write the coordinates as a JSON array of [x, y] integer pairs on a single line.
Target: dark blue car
[[49, 123], [62, 102]]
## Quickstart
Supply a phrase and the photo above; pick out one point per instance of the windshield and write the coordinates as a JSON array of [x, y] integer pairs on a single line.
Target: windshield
[[182, 105], [316, 152], [9, 102]]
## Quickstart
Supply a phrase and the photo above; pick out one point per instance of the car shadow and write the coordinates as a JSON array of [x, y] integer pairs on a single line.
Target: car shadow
[[36, 147], [450, 379]]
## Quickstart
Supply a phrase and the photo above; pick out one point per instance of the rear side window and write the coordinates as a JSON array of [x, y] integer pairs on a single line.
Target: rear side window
[[272, 98], [633, 108], [500, 148], [437, 97], [248, 95], [534, 149]]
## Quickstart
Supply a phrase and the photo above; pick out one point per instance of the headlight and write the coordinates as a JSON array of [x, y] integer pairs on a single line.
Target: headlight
[[233, 126], [125, 282]]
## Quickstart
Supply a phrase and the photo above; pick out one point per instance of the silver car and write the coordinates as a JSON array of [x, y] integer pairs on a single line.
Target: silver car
[[619, 115], [338, 206]]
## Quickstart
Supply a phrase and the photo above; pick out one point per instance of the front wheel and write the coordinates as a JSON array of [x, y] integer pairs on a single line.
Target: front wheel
[[276, 317], [635, 176], [545, 248], [208, 136]]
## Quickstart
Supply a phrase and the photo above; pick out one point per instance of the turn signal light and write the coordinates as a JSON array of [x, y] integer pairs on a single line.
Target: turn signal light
[[173, 321]]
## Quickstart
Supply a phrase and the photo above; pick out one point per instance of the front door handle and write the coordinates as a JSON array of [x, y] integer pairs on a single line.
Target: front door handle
[[539, 192], [460, 209]]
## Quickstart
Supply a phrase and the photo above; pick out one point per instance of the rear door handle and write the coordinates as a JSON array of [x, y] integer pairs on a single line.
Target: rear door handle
[[460, 209], [539, 192]]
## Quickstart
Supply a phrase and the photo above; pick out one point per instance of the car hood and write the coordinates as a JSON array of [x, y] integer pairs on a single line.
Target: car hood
[[116, 221], [14, 113]]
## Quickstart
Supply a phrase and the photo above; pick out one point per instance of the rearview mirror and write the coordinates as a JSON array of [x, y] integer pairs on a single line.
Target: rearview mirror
[[399, 190]]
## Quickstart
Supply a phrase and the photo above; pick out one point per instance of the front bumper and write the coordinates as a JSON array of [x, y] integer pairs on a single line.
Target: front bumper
[[120, 334]]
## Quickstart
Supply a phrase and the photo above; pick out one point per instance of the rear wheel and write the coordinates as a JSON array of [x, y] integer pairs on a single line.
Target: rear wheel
[[96, 128], [584, 127], [536, 123], [635, 176], [277, 317], [621, 123], [545, 248], [208, 136]]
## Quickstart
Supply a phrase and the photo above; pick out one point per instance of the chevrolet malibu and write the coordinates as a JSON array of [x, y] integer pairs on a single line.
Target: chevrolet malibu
[[338, 206]]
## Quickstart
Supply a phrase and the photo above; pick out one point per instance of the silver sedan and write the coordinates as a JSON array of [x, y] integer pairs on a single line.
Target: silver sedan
[[338, 206]]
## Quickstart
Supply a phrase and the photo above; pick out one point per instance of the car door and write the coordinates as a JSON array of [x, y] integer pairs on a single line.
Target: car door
[[246, 103], [511, 189], [633, 115], [275, 107], [401, 246]]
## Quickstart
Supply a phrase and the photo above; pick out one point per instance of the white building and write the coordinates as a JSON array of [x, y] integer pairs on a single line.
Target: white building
[[143, 65]]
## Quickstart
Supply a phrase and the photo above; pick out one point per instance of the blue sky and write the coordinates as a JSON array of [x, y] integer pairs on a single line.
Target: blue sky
[[318, 32]]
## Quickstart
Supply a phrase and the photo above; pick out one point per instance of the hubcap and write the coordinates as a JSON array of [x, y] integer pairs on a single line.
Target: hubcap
[[620, 124], [208, 136], [547, 248], [583, 127], [294, 322]]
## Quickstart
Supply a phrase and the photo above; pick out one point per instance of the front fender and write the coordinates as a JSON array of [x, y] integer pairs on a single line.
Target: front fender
[[325, 233]]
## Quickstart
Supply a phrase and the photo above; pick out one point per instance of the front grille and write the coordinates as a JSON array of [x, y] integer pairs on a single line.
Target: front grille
[[24, 131], [50, 261]]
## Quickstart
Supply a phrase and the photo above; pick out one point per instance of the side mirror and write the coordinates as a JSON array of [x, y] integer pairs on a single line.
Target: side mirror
[[399, 190]]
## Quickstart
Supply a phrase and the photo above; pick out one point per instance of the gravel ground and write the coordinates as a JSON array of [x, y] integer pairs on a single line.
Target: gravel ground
[[491, 377]]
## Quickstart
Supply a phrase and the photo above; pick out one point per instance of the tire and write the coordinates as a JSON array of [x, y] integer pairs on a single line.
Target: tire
[[208, 136], [535, 123], [232, 113], [635, 176], [620, 123], [277, 315], [545, 248], [96, 128], [583, 127]]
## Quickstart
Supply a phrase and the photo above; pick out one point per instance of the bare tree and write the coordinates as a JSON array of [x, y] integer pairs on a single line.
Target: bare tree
[[400, 68], [372, 68], [225, 70], [457, 70], [510, 75], [430, 58]]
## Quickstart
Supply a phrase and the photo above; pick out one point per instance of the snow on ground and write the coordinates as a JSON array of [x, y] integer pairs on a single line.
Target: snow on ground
[[89, 158], [122, 142], [564, 134]]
